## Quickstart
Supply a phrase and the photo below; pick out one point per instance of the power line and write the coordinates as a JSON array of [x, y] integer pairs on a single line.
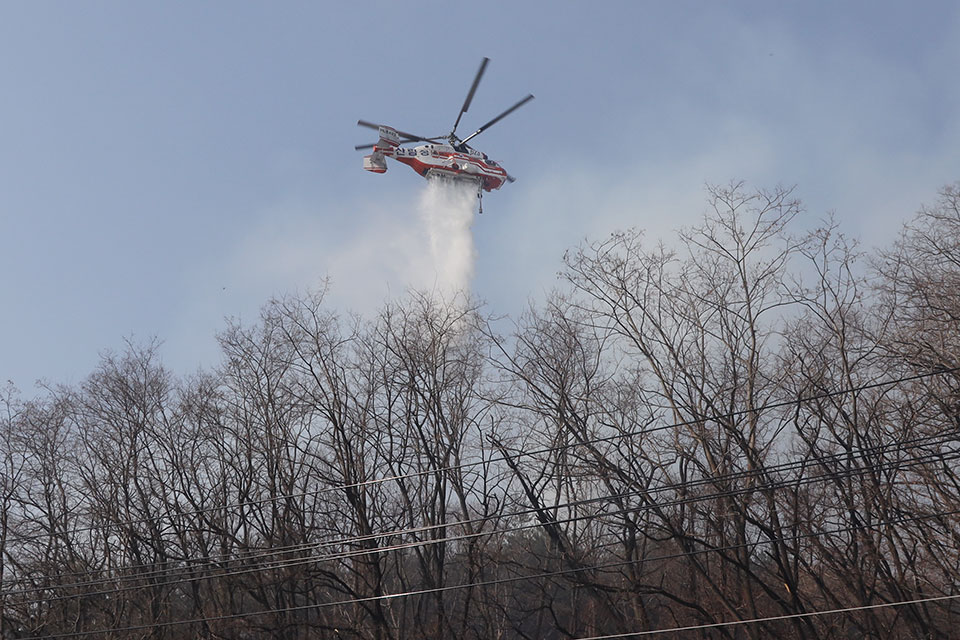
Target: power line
[[686, 486], [355, 485], [186, 572], [501, 581], [845, 456], [789, 616]]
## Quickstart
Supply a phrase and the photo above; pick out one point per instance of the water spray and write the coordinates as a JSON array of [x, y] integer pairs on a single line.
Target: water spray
[[446, 209]]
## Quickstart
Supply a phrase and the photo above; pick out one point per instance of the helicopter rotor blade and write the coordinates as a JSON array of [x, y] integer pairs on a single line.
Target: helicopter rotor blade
[[473, 90], [498, 118], [410, 137], [402, 142]]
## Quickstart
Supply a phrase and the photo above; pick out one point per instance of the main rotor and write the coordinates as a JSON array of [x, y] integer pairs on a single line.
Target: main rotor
[[452, 136], [456, 142]]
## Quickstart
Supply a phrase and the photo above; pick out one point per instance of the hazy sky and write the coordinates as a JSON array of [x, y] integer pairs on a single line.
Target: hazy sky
[[166, 165]]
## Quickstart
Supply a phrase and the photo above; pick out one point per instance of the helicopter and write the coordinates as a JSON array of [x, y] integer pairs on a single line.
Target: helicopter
[[442, 157]]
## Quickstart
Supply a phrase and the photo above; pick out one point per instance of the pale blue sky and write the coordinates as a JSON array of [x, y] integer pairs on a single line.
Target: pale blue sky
[[164, 165]]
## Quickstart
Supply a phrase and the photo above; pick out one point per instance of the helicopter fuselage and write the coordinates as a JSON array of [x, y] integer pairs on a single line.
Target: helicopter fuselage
[[437, 161]]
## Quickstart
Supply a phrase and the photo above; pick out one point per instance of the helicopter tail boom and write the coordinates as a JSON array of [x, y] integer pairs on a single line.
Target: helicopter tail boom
[[385, 146]]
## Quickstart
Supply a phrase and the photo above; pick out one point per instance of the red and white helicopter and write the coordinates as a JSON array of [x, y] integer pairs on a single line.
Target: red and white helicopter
[[452, 160]]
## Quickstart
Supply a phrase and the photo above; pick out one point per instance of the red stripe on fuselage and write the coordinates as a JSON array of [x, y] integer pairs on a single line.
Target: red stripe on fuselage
[[490, 177]]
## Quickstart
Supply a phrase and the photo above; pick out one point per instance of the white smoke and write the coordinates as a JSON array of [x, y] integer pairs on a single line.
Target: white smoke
[[446, 210], [384, 249]]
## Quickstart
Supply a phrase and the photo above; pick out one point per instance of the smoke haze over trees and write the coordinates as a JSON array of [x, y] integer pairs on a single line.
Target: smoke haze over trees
[[740, 431]]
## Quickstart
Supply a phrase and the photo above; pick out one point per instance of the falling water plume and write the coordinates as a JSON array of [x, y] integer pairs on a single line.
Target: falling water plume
[[447, 209]]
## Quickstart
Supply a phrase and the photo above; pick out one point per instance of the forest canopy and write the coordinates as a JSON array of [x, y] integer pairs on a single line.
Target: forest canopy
[[742, 431]]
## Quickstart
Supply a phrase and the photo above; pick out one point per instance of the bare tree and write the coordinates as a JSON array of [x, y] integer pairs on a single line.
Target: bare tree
[[740, 426]]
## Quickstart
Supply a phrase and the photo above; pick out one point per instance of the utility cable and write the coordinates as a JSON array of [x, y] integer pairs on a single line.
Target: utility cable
[[788, 616], [14, 537], [186, 572], [844, 456], [647, 492], [501, 581]]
